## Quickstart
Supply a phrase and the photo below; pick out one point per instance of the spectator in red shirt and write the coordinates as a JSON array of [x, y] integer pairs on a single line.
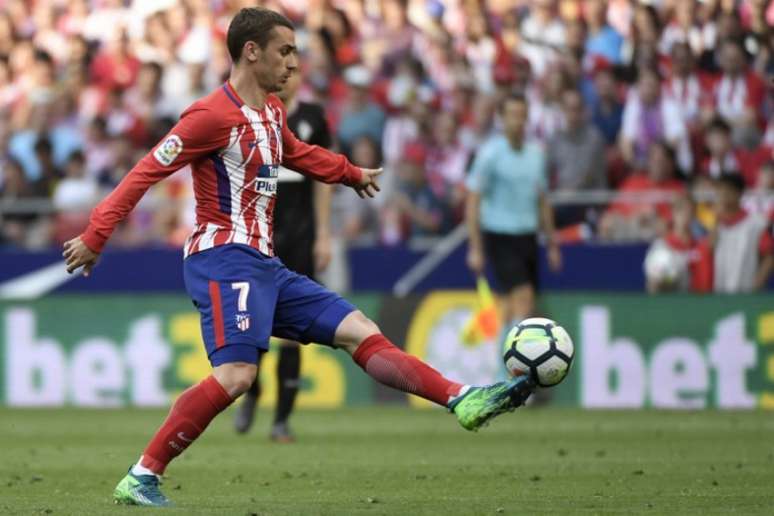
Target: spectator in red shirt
[[116, 66], [685, 85], [144, 99], [739, 93], [724, 157], [632, 216], [344, 38], [685, 263]]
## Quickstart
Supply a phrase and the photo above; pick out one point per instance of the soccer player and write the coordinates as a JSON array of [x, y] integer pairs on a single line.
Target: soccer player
[[235, 139], [302, 242]]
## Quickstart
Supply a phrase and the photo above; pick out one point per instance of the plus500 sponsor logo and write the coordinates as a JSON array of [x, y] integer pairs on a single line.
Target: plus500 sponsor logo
[[266, 182]]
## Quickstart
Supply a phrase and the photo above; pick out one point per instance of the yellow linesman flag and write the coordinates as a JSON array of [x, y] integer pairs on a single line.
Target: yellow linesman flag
[[484, 323]]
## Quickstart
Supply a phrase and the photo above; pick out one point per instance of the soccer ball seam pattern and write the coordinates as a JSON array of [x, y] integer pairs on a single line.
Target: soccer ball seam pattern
[[520, 346]]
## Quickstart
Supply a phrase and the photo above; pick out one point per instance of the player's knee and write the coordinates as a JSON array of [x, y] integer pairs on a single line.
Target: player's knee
[[354, 329], [241, 384], [236, 378], [369, 328]]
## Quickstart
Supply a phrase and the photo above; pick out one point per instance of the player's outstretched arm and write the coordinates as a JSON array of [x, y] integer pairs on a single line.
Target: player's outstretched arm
[[197, 134], [323, 165]]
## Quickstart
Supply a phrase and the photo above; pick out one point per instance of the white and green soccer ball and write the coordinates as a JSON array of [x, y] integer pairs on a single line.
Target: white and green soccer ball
[[540, 348]]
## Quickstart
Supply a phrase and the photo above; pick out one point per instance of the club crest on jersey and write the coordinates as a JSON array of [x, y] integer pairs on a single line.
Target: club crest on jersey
[[168, 150], [243, 322]]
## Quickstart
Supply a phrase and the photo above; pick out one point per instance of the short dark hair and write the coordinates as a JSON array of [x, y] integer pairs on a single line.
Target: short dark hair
[[513, 97], [76, 156], [154, 67], [253, 24], [41, 56], [733, 180], [718, 124], [43, 144]]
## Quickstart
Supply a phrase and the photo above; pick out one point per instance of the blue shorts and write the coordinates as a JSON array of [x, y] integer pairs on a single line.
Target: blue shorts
[[244, 297]]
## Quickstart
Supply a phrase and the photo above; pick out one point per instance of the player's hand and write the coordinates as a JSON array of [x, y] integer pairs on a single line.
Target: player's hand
[[475, 260], [554, 257], [77, 254], [322, 252], [368, 186]]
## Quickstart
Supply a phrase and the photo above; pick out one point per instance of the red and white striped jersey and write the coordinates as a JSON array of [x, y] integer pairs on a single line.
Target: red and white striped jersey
[[688, 93], [733, 96], [234, 152]]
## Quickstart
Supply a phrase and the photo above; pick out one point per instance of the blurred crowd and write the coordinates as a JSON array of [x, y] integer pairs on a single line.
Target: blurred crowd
[[644, 99]]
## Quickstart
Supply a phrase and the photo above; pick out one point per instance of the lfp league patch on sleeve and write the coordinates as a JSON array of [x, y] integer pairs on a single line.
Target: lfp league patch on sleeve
[[168, 150]]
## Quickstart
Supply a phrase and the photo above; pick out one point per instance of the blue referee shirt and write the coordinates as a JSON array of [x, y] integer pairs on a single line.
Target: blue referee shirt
[[509, 182]]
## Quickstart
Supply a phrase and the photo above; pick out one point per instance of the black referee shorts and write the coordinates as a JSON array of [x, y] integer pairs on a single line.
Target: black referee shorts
[[514, 259], [296, 251]]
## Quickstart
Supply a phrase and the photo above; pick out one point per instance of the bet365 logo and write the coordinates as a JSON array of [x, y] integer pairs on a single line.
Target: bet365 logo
[[677, 371], [94, 370]]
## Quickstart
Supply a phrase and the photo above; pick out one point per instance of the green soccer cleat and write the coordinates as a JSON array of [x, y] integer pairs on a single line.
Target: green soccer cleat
[[140, 490], [479, 405]]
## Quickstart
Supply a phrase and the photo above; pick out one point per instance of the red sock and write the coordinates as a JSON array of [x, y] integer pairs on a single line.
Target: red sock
[[387, 364], [187, 419]]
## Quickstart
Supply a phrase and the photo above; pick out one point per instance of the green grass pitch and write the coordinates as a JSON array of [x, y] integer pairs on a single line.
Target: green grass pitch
[[392, 460]]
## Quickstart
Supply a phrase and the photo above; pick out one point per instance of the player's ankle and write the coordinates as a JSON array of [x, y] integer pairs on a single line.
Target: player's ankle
[[139, 469], [454, 398]]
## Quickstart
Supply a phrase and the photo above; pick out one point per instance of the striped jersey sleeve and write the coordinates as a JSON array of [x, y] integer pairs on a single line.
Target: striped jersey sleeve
[[197, 134]]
